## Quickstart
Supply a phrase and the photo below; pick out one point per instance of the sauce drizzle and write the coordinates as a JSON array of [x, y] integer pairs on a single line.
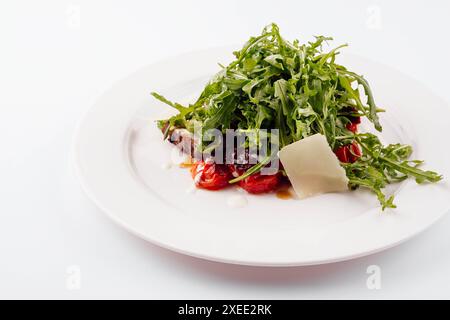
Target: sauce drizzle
[[284, 194], [187, 164]]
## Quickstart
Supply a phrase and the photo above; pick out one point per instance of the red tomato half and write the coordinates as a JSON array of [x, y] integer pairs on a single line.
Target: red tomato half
[[210, 176], [353, 127], [349, 153], [256, 183]]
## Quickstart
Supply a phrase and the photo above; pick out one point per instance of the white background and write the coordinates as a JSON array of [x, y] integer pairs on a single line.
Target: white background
[[56, 57]]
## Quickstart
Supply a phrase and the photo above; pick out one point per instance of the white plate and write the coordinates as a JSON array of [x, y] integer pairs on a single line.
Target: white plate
[[120, 159]]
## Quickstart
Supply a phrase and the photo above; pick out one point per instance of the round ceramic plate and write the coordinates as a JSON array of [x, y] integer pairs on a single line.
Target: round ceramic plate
[[127, 169]]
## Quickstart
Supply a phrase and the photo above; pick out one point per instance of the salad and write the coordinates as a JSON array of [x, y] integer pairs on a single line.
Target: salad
[[299, 90]]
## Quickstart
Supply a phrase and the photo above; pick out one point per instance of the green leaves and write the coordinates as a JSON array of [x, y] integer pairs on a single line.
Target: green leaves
[[300, 90], [221, 111], [177, 106], [275, 60], [382, 165], [285, 121], [373, 116], [280, 87]]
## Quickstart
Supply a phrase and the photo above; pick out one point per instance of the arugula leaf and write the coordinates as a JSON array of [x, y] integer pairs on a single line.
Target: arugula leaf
[[175, 105]]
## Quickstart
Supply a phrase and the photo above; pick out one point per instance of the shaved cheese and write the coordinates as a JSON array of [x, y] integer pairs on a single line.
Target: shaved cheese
[[312, 167]]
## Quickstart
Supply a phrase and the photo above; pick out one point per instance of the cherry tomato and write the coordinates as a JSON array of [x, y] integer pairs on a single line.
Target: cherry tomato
[[256, 183], [348, 153], [353, 127], [341, 154], [210, 176]]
